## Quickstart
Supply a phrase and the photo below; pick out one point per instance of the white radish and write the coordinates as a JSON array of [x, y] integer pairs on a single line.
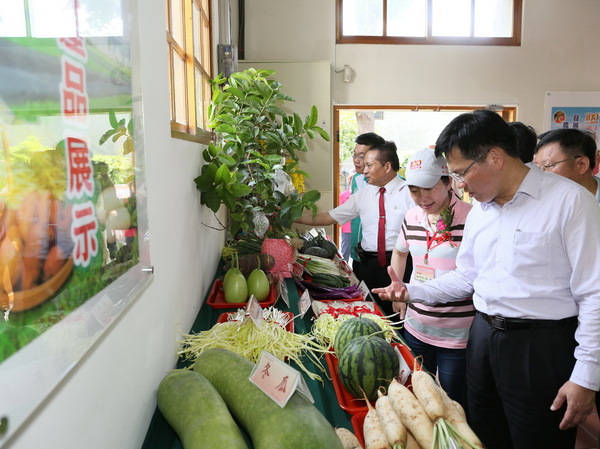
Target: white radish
[[348, 439], [411, 443], [373, 432], [455, 416], [395, 431], [411, 413], [429, 394]]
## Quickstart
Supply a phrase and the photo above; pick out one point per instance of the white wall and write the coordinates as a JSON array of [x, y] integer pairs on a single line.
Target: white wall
[[559, 51], [107, 401]]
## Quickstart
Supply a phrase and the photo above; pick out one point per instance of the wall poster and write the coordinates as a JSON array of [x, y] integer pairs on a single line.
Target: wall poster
[[74, 247], [578, 110]]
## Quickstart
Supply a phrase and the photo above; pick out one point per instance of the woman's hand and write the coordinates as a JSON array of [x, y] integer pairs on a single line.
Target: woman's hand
[[396, 291]]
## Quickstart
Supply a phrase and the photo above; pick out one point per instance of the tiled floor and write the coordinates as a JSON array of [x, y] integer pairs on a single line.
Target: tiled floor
[[587, 435]]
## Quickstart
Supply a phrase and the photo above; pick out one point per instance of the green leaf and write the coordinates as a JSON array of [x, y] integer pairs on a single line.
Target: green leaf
[[107, 135], [112, 118], [239, 190], [211, 199], [222, 174], [275, 110], [235, 91], [312, 196], [226, 128], [228, 199], [321, 132], [311, 120]]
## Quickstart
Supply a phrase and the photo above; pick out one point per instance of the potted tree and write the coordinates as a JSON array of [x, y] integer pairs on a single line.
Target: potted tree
[[253, 167]]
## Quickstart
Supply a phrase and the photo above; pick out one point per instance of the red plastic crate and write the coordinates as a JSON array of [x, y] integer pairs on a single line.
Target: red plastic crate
[[216, 298], [349, 403]]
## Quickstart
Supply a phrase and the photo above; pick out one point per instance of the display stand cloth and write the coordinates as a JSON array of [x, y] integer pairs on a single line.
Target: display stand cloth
[[160, 435]]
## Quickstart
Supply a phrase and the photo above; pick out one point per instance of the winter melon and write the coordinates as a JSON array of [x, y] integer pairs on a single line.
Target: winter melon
[[352, 328], [366, 364]]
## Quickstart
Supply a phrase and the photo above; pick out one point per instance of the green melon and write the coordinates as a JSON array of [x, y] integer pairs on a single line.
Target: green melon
[[366, 364], [352, 328]]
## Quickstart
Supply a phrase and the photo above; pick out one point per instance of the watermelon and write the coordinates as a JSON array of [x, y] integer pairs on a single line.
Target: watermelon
[[352, 328], [366, 364]]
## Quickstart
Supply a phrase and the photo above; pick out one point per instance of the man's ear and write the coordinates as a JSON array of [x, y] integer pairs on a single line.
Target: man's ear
[[582, 164]]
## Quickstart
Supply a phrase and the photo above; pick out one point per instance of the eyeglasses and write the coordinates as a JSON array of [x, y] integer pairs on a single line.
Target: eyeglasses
[[460, 177], [358, 156], [553, 164]]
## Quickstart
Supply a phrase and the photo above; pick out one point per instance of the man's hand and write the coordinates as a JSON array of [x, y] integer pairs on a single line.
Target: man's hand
[[580, 403], [396, 291]]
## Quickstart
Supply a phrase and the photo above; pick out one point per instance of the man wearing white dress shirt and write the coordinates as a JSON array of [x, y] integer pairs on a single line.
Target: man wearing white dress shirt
[[381, 170], [529, 257]]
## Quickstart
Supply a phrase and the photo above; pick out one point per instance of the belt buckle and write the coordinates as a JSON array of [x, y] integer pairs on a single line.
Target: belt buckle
[[498, 322]]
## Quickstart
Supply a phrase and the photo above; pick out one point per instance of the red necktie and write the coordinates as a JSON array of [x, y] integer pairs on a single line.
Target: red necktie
[[381, 230]]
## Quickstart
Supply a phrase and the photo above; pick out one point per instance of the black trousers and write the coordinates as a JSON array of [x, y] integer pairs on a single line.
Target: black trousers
[[513, 376], [375, 276]]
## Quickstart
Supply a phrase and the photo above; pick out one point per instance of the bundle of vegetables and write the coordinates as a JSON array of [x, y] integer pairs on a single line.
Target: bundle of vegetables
[[319, 246], [240, 335], [316, 264], [426, 415], [330, 317], [320, 291], [244, 245]]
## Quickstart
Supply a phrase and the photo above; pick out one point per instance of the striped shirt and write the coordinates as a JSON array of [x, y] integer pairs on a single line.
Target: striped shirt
[[442, 325]]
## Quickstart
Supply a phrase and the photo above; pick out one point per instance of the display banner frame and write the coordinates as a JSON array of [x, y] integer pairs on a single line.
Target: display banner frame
[[76, 110]]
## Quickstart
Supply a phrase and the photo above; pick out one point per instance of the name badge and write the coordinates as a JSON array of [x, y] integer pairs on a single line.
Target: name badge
[[424, 273]]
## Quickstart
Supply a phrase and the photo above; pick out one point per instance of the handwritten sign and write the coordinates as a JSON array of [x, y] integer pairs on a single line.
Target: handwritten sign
[[278, 380], [304, 303]]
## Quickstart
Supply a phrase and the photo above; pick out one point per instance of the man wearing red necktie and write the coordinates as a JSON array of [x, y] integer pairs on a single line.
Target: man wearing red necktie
[[381, 206]]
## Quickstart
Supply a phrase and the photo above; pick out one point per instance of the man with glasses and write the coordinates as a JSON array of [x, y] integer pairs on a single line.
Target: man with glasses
[[529, 257], [570, 153], [381, 206], [364, 142]]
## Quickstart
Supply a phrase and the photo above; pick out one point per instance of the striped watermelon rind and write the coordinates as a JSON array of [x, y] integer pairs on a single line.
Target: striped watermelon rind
[[366, 364], [352, 328]]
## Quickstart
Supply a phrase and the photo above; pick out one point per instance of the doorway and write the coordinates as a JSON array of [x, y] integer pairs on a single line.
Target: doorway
[[411, 127]]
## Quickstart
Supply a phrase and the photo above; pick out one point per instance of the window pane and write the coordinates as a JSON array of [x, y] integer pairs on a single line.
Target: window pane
[[206, 46], [100, 18], [180, 89], [407, 18], [62, 23], [451, 18], [493, 18], [363, 17], [200, 100], [177, 22], [12, 20], [196, 25]]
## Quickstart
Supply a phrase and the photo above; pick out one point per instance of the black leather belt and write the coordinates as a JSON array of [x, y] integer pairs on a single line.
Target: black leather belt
[[375, 254], [502, 323]]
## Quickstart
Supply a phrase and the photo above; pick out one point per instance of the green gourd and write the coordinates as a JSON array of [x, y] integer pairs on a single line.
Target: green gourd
[[235, 287], [197, 413], [298, 425], [258, 285]]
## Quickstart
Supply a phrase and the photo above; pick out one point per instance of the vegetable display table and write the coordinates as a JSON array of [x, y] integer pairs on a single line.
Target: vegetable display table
[[160, 435]]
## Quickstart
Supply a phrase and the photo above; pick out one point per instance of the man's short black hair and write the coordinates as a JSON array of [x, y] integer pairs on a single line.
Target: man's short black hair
[[369, 139], [474, 133], [573, 142], [388, 152]]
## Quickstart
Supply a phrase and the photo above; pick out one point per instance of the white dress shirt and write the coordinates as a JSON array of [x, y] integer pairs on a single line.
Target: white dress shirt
[[364, 203], [538, 256]]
